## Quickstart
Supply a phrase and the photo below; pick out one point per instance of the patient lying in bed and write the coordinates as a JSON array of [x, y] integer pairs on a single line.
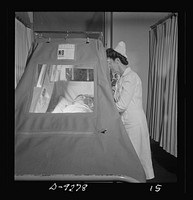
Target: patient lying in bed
[[82, 103]]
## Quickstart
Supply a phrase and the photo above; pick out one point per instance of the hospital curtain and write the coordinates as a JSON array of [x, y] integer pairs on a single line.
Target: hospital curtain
[[23, 42], [162, 84]]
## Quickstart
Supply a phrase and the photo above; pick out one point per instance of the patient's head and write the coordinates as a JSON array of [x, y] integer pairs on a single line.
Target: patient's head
[[85, 99], [79, 99]]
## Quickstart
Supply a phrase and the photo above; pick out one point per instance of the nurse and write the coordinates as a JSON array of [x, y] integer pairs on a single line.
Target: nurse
[[128, 99]]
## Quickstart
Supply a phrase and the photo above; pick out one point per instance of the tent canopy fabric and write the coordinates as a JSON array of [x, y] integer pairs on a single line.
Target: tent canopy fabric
[[66, 121]]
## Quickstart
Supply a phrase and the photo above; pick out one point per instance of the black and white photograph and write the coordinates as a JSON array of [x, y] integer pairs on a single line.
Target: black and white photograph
[[96, 100]]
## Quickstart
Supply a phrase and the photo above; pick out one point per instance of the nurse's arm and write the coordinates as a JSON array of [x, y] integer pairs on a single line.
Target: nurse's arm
[[128, 89]]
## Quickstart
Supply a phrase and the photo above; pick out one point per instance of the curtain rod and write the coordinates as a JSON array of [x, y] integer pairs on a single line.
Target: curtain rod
[[71, 32], [164, 19], [67, 33]]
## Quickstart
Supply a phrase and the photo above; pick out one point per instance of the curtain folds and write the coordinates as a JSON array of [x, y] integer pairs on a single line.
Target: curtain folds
[[162, 84], [23, 43]]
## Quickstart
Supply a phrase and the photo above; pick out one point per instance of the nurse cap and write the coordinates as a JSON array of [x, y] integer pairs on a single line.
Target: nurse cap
[[121, 48]]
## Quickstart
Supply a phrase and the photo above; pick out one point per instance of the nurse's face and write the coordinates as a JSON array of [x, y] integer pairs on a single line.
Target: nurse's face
[[113, 65]]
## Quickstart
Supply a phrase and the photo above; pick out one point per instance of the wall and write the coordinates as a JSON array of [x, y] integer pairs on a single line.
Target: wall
[[133, 29], [69, 21]]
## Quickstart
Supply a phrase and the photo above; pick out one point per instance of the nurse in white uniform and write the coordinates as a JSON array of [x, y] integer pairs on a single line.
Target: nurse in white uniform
[[128, 98]]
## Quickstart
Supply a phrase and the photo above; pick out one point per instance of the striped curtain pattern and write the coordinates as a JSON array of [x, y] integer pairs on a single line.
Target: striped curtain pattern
[[162, 84], [23, 41]]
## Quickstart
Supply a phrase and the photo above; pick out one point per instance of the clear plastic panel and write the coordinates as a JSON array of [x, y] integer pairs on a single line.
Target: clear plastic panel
[[63, 89]]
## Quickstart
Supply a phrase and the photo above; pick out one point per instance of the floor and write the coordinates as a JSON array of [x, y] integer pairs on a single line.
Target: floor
[[164, 164]]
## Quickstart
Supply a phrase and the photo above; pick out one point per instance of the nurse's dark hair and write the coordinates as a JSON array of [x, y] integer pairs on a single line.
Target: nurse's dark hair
[[111, 53]]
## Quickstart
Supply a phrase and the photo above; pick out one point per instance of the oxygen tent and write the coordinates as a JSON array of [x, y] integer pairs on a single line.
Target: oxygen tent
[[66, 122]]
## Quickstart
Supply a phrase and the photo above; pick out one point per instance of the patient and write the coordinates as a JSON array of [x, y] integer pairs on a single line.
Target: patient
[[82, 103]]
